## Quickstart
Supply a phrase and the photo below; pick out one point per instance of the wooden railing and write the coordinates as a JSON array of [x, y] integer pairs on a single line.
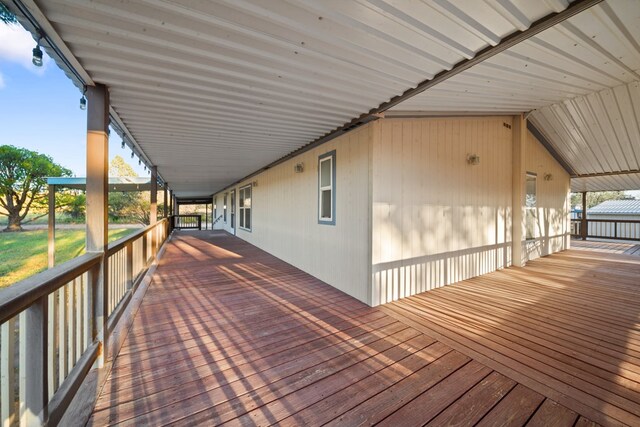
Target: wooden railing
[[49, 334], [187, 222], [607, 229]]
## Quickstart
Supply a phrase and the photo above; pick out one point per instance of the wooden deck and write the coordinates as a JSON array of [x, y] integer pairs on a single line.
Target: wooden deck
[[609, 246], [228, 334], [566, 326]]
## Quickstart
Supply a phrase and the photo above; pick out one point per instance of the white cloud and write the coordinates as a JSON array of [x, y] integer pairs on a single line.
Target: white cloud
[[16, 45]]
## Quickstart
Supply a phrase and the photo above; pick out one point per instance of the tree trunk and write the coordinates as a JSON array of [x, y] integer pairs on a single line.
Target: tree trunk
[[14, 222]]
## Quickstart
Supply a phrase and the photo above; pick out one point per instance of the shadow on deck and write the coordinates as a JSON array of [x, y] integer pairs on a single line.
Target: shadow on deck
[[227, 333]]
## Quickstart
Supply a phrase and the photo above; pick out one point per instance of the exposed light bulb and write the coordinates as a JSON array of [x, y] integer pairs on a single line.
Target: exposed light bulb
[[139, 162], [122, 145], [132, 154], [37, 55], [83, 103]]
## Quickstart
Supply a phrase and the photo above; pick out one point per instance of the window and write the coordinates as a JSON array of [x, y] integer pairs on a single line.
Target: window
[[530, 206], [244, 206], [327, 188], [224, 208]]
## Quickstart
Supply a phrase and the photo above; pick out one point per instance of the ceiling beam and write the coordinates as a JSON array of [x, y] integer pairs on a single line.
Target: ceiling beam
[[595, 175], [550, 148]]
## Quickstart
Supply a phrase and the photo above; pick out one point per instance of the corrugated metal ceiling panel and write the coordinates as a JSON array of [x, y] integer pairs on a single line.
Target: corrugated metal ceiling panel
[[606, 183], [592, 51], [596, 133], [213, 90]]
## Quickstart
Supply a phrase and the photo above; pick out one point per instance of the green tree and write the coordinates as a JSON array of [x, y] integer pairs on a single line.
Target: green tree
[[23, 180], [127, 205], [594, 198], [6, 16]]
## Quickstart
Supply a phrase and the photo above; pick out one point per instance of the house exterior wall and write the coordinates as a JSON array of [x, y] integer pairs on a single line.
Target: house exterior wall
[[285, 214], [553, 211], [411, 213], [437, 219]]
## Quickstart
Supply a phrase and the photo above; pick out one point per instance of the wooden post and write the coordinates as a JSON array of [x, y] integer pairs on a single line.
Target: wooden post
[[165, 206], [518, 189], [97, 204], [583, 223], [206, 216], [153, 214], [153, 207], [51, 250]]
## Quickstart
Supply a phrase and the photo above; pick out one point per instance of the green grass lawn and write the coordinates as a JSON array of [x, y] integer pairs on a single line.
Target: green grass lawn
[[24, 254]]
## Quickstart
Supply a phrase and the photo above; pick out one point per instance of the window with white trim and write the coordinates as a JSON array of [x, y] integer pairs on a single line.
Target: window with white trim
[[327, 188], [224, 208], [244, 207]]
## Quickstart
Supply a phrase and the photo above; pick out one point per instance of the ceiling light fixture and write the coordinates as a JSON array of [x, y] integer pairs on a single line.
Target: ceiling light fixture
[[83, 100], [37, 54]]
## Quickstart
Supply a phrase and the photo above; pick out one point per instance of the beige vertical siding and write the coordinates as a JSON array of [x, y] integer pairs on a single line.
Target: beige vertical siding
[[285, 215], [411, 213], [553, 202], [436, 219]]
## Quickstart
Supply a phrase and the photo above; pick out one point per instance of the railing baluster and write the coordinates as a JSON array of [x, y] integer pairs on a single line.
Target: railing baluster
[[33, 363], [71, 326], [63, 316], [53, 343], [79, 320], [8, 412]]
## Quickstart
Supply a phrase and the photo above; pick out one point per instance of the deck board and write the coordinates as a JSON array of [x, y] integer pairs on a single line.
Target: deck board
[[228, 334], [566, 326]]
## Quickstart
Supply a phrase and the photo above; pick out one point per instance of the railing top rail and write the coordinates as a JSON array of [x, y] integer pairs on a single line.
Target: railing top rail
[[626, 221], [21, 295], [121, 243]]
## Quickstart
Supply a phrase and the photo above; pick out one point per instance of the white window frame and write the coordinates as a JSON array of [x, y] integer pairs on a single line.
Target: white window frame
[[242, 209], [331, 158]]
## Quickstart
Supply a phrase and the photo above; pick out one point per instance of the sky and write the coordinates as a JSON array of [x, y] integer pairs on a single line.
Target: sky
[[40, 107]]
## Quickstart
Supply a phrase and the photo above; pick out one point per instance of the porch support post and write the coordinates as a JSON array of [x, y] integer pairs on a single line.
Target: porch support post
[[97, 204], [51, 247], [153, 208], [165, 206], [518, 189], [583, 223]]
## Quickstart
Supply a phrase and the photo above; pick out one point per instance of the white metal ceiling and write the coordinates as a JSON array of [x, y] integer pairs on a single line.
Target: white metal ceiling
[[214, 90], [596, 133], [580, 77], [606, 183]]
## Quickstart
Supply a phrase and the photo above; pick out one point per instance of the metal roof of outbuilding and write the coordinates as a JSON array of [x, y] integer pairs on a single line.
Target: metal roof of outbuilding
[[621, 207]]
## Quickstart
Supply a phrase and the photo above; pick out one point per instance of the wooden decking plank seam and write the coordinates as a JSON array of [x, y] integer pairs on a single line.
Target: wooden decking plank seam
[[509, 325], [624, 398], [541, 383]]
